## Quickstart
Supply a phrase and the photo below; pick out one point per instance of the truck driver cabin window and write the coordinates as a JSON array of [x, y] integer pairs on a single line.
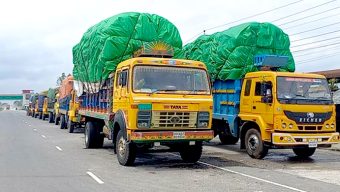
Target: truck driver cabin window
[[247, 88]]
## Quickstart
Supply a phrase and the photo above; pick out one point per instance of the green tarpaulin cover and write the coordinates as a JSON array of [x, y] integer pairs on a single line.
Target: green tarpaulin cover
[[229, 54], [51, 93], [115, 39]]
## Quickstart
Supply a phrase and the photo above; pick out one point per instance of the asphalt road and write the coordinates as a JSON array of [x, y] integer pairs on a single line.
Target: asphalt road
[[37, 156]]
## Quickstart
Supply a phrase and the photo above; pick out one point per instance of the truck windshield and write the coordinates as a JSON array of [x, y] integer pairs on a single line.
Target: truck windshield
[[158, 79], [297, 90]]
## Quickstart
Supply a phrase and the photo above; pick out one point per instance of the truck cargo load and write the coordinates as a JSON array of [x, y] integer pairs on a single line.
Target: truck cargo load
[[66, 87], [229, 54], [113, 40]]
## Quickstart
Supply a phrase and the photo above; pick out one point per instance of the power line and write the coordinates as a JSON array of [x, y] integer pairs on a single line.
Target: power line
[[315, 42], [319, 35], [305, 23], [258, 14], [316, 47], [318, 51], [293, 21], [244, 18], [317, 58], [315, 28], [197, 35], [303, 11]]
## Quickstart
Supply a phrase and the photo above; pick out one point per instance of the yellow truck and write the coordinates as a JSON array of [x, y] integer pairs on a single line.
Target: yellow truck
[[148, 102], [271, 109]]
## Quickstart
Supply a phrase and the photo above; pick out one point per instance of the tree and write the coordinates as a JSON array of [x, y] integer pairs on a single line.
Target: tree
[[60, 79], [332, 84]]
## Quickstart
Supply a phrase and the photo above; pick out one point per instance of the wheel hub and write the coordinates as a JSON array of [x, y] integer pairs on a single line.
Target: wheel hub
[[121, 147], [253, 142]]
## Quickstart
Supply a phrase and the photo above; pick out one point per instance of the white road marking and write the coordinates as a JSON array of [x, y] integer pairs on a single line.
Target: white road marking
[[249, 176], [43, 136], [29, 125], [58, 148], [34, 129], [95, 177], [252, 177]]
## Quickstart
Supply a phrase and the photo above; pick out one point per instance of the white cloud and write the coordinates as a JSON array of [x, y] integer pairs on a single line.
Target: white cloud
[[37, 36]]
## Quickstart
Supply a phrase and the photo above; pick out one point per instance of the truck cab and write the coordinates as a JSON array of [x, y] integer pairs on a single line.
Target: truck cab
[[151, 100], [282, 110]]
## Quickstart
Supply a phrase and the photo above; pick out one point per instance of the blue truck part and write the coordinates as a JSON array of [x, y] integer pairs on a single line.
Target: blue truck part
[[226, 95], [274, 61], [41, 102], [64, 103]]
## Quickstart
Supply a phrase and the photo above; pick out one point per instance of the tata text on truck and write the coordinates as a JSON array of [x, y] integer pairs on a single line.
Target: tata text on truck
[[271, 109], [151, 101]]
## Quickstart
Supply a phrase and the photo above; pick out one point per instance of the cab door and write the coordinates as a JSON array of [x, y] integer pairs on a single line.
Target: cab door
[[121, 91], [246, 99], [264, 109]]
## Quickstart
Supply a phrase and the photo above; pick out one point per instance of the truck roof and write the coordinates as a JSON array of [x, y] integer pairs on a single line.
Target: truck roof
[[285, 74], [162, 62]]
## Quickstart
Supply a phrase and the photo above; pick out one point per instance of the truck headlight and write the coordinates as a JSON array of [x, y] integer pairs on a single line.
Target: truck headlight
[[143, 119], [284, 125], [332, 126], [327, 126], [203, 119], [290, 126]]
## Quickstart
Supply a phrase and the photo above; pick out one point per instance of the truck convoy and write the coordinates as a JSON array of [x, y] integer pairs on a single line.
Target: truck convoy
[[144, 90]]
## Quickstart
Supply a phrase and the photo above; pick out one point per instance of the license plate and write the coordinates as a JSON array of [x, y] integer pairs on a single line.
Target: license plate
[[179, 135], [312, 144]]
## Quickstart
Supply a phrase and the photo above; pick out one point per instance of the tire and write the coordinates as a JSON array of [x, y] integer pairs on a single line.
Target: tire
[[35, 115], [191, 153], [228, 139], [50, 117], [56, 119], [254, 144], [32, 114], [70, 126], [304, 152], [93, 138], [43, 117], [62, 122], [40, 115], [126, 152]]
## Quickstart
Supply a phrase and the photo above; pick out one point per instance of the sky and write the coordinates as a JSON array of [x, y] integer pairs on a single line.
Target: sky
[[37, 36]]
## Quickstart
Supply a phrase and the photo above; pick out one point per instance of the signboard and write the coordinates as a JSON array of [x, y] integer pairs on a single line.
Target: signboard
[[10, 97]]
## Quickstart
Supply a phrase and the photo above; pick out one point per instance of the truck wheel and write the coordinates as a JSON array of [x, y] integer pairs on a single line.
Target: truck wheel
[[50, 117], [56, 119], [40, 115], [227, 139], [93, 139], [191, 153], [70, 126], [36, 115], [43, 117], [304, 152], [254, 144], [62, 122], [126, 151], [32, 114]]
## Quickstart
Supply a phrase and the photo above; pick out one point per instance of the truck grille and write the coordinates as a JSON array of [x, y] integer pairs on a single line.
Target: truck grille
[[174, 119]]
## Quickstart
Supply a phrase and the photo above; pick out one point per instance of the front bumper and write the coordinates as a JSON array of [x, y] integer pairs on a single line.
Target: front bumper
[[172, 136], [287, 139]]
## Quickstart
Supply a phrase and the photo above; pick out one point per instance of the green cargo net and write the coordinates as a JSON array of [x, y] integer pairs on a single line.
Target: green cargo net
[[230, 54], [115, 39]]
